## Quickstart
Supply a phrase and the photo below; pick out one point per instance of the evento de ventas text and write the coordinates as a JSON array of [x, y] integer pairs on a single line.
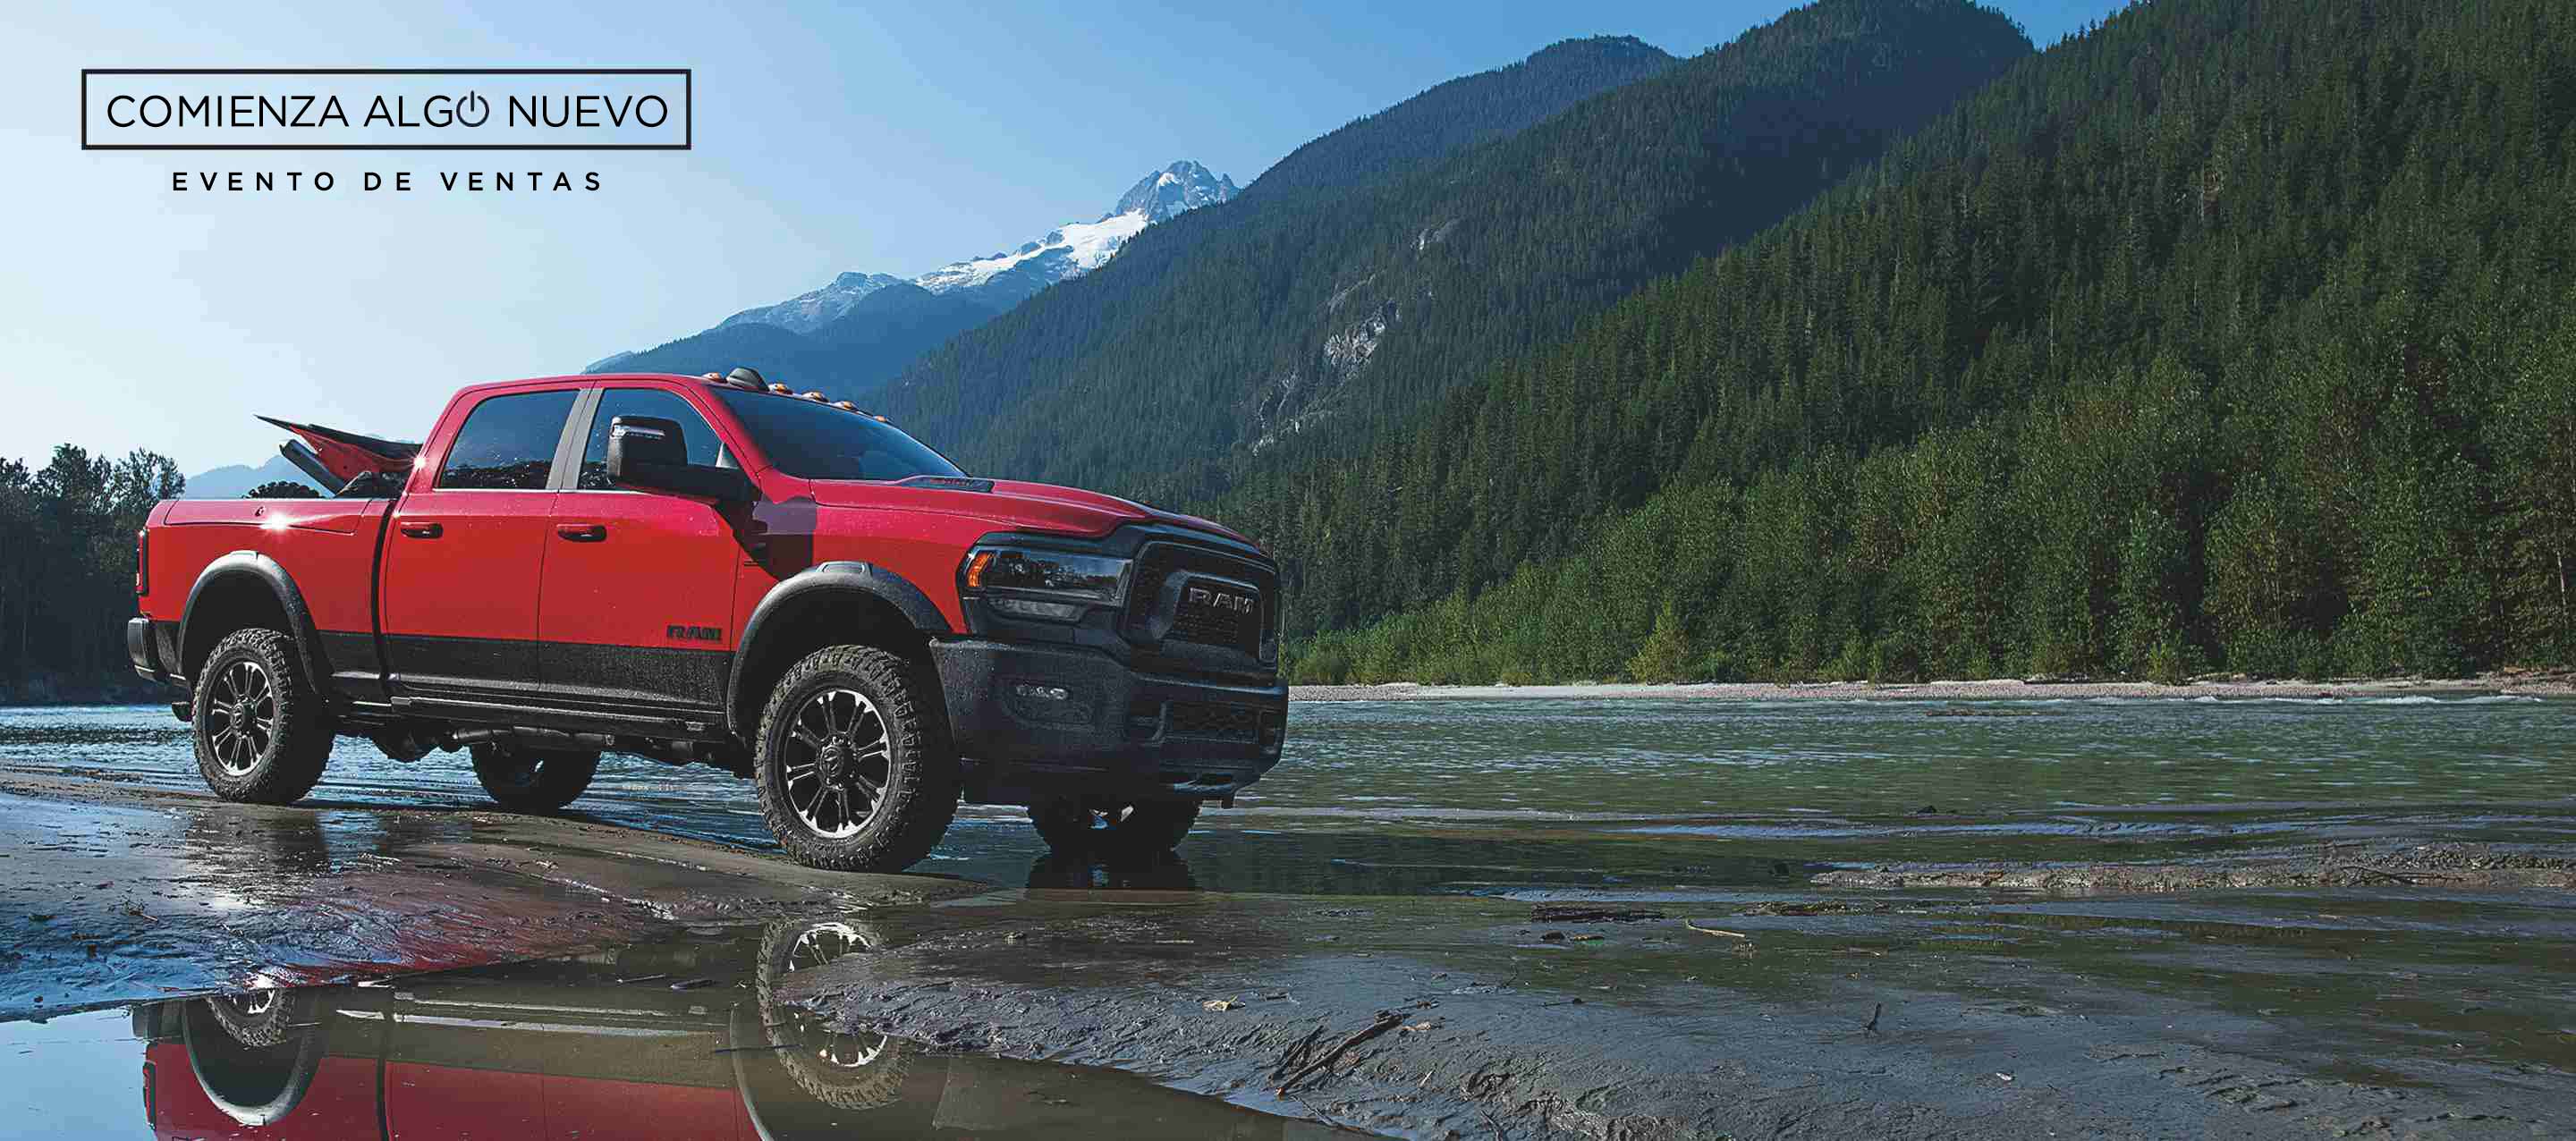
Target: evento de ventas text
[[384, 182]]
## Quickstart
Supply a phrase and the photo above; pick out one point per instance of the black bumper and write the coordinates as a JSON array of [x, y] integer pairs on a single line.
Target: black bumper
[[1036, 721]]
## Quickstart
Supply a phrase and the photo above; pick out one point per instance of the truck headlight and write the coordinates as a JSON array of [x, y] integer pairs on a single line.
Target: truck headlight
[[1030, 583]]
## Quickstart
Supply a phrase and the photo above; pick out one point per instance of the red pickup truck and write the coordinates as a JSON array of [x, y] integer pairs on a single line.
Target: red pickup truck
[[719, 571]]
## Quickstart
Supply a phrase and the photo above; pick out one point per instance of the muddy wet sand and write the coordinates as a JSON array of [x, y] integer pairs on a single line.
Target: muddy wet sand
[[2339, 921]]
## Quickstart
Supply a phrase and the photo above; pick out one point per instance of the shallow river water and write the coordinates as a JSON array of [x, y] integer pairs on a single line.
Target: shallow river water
[[1497, 817], [1495, 797]]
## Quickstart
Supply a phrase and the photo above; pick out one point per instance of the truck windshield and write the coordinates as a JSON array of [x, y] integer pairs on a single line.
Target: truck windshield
[[817, 441]]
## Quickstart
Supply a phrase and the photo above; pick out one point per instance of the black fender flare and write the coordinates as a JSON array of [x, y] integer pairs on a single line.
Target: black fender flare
[[299, 618], [811, 583]]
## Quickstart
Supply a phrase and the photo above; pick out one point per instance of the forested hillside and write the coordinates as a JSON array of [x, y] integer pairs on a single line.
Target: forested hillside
[[1462, 112], [1300, 322], [2233, 333], [67, 570]]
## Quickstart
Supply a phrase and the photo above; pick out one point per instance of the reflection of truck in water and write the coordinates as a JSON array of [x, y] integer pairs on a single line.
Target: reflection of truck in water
[[603, 1048], [717, 571]]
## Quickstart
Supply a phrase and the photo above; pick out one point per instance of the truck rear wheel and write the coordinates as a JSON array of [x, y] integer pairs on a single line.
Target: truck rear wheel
[[1137, 828], [532, 780], [259, 731], [855, 770]]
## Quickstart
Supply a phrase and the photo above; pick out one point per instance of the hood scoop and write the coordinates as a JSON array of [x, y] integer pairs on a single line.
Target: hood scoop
[[948, 483]]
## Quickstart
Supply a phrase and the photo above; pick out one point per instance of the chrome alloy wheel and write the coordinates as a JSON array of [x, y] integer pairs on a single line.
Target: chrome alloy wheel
[[825, 943], [253, 1004], [837, 752], [241, 716]]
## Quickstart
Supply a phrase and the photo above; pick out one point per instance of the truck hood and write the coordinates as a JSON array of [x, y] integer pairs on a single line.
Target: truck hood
[[1040, 507]]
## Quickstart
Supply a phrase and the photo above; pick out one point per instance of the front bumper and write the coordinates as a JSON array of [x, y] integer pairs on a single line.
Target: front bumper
[[1039, 721]]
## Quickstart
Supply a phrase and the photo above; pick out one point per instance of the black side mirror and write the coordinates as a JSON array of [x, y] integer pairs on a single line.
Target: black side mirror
[[651, 452]]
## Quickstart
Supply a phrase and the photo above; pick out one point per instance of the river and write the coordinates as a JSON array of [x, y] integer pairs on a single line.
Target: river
[[1525, 797]]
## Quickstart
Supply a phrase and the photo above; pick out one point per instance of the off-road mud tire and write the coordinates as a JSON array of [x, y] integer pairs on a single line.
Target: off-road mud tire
[[533, 780], [253, 1085], [919, 797], [298, 740], [268, 1027], [1132, 830], [792, 1031]]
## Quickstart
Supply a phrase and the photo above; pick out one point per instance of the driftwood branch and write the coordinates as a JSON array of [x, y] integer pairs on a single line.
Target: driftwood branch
[[2396, 877], [1385, 1022], [1296, 1055]]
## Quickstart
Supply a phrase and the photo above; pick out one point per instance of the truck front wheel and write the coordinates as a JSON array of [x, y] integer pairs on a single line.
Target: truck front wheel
[[258, 728], [530, 780], [855, 770]]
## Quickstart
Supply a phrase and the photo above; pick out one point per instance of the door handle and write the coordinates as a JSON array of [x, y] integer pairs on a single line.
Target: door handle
[[581, 532], [422, 530]]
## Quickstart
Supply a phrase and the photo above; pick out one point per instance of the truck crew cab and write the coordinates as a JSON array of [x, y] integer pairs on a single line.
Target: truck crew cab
[[719, 571]]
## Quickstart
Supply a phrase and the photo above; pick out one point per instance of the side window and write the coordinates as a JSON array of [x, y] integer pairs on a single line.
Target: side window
[[704, 447], [508, 442]]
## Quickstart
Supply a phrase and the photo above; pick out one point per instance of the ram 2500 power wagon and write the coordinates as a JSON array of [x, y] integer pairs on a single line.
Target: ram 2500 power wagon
[[718, 571]]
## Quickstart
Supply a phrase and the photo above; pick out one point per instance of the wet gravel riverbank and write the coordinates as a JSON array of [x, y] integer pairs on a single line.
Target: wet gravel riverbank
[[1490, 919]]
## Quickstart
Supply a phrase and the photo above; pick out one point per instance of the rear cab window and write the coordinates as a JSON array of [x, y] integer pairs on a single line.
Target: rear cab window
[[507, 442]]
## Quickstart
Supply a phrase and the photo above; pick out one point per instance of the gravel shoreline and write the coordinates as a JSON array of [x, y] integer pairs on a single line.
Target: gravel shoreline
[[2496, 685]]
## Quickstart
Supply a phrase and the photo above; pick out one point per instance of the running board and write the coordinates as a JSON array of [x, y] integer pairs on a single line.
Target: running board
[[555, 717]]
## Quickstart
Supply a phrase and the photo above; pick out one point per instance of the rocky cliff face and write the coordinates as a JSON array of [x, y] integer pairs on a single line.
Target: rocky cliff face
[[1175, 189]]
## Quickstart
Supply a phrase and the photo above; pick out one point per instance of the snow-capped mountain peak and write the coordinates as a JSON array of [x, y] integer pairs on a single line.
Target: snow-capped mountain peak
[[812, 310], [1068, 251], [995, 282], [1077, 248], [1175, 189]]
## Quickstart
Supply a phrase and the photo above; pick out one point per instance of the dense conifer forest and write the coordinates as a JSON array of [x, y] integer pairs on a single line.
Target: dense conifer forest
[[67, 570], [2231, 334]]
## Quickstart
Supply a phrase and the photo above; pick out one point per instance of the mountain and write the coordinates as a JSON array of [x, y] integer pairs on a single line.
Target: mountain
[[812, 310], [1311, 315], [898, 323], [1005, 279], [1463, 112], [231, 480], [862, 328], [1175, 190], [787, 358], [2223, 335]]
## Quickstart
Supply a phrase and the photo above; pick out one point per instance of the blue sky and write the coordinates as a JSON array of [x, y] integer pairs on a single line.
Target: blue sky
[[890, 138]]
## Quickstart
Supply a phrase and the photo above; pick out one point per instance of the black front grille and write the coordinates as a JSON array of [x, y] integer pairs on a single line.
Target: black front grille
[[1207, 625], [1214, 721], [1204, 623]]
